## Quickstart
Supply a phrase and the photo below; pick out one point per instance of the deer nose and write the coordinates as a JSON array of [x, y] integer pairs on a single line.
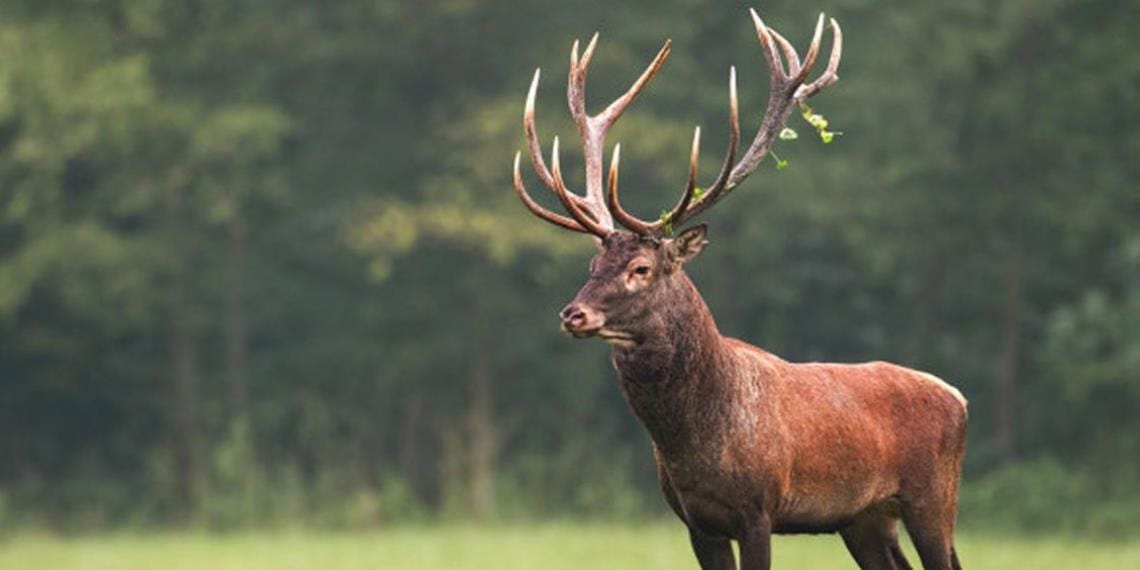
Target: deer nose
[[573, 316]]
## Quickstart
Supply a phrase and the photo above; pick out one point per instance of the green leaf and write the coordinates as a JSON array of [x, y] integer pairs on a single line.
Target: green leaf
[[820, 123], [780, 163], [667, 225]]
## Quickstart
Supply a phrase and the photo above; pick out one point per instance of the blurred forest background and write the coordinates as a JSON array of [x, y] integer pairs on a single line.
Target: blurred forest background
[[261, 262]]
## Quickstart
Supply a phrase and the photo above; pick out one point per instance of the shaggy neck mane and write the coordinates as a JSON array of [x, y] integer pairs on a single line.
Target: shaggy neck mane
[[680, 373]]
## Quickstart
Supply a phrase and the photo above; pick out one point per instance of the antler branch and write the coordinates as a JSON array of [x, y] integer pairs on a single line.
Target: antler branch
[[596, 211], [787, 89], [588, 213]]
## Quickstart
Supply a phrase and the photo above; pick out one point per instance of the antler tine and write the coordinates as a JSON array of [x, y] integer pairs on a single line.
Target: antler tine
[[771, 56], [576, 88], [533, 144], [615, 109], [566, 198], [789, 53], [576, 82], [830, 74], [589, 53], [812, 53], [691, 184], [532, 133], [734, 133], [576, 85], [712, 194], [624, 218], [538, 210], [678, 212]]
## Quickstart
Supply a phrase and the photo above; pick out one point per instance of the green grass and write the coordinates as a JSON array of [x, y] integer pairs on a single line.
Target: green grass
[[551, 545]]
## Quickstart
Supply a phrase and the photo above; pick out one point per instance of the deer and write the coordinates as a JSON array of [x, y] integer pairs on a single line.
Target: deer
[[747, 444]]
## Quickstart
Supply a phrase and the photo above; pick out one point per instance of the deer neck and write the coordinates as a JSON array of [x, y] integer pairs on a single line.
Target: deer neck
[[679, 376]]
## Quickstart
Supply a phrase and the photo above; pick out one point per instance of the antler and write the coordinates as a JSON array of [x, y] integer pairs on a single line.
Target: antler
[[595, 213], [787, 87], [588, 213]]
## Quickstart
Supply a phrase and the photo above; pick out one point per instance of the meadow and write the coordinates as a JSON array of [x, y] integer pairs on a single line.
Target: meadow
[[655, 546]]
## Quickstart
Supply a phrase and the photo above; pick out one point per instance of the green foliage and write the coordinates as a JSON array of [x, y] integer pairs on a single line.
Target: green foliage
[[667, 223], [1046, 496], [819, 123], [261, 264], [660, 545], [780, 163]]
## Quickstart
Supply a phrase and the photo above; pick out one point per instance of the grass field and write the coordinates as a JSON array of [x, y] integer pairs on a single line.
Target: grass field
[[554, 546]]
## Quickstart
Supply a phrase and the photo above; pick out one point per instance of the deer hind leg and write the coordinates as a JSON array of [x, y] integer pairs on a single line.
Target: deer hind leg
[[873, 541], [712, 553], [930, 523], [929, 509], [954, 559], [900, 560]]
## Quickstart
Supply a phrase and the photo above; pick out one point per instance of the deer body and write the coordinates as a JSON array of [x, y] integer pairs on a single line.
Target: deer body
[[740, 433], [734, 426], [746, 443]]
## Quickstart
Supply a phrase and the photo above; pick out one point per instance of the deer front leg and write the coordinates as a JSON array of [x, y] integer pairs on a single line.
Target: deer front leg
[[712, 553], [756, 545]]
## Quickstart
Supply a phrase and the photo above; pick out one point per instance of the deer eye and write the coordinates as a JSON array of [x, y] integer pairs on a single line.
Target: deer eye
[[641, 270]]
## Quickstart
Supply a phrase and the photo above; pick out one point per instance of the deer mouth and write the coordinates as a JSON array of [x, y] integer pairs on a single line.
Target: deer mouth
[[619, 338], [581, 332]]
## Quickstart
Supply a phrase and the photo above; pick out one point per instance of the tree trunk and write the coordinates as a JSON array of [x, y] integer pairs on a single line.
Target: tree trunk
[[1013, 283], [452, 491], [185, 404], [236, 338], [415, 454], [188, 432], [241, 433], [1010, 352], [482, 434]]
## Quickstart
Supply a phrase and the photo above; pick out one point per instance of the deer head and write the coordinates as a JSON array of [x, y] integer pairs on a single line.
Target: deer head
[[629, 277], [639, 270]]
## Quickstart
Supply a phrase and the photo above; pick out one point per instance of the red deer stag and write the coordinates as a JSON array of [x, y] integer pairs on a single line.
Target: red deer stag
[[748, 444]]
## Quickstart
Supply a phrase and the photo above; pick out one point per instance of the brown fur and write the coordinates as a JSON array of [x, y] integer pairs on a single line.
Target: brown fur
[[748, 444]]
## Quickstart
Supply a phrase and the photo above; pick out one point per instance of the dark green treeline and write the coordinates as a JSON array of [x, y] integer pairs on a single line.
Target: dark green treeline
[[260, 260]]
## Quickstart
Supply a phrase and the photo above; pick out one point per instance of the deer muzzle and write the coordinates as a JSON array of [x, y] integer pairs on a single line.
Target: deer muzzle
[[581, 320]]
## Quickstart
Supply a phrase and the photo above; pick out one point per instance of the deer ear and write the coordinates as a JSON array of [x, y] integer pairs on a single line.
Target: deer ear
[[688, 244]]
